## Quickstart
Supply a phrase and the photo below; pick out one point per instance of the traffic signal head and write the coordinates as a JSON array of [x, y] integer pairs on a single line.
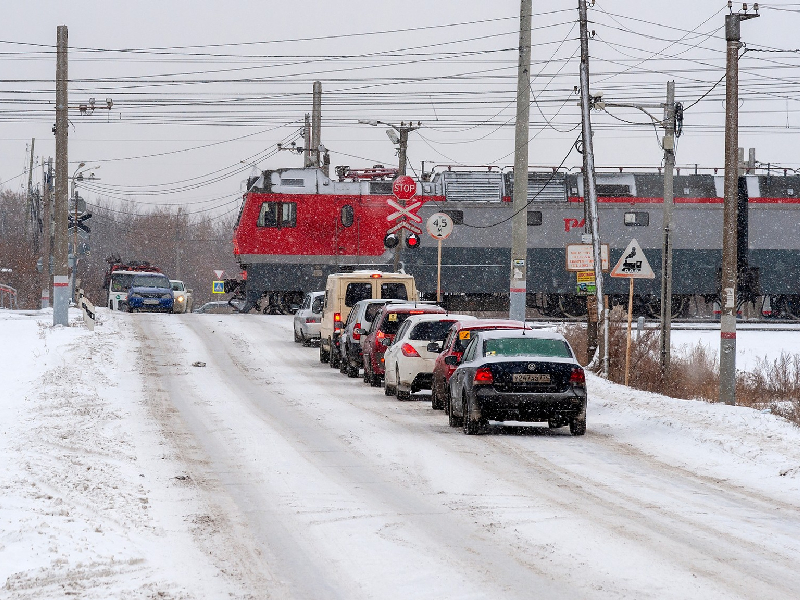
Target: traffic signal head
[[412, 240], [391, 240]]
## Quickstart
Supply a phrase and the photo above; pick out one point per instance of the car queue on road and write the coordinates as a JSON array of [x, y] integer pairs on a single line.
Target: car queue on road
[[478, 370]]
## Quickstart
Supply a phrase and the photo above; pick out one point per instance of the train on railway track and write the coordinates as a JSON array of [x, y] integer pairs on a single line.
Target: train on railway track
[[298, 225]]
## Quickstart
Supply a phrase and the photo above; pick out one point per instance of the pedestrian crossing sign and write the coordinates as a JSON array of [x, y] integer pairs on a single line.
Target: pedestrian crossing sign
[[217, 287]]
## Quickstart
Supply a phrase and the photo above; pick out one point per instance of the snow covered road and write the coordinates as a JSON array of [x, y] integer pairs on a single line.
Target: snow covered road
[[344, 493], [127, 472]]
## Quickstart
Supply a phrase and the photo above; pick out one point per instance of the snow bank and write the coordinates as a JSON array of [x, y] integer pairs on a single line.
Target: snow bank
[[90, 503]]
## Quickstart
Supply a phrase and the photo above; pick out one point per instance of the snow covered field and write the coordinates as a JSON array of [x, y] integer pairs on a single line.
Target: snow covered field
[[126, 472]]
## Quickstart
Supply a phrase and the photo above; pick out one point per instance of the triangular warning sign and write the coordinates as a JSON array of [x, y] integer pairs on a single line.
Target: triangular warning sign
[[633, 264], [219, 274]]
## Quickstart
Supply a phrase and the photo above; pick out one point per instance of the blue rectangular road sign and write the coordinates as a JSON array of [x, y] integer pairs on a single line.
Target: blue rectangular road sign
[[217, 287]]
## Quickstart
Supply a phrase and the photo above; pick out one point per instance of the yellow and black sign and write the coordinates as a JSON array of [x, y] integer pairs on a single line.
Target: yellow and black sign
[[585, 283]]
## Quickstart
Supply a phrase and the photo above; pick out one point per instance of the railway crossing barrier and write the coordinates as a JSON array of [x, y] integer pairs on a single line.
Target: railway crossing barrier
[[8, 296]]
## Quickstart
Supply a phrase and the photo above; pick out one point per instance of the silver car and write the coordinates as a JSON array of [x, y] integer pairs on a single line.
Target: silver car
[[308, 319]]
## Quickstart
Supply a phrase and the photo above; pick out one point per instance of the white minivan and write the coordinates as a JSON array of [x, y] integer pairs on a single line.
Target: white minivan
[[344, 290]]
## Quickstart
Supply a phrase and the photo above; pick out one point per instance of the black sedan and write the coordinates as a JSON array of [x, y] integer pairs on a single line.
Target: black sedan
[[518, 375]]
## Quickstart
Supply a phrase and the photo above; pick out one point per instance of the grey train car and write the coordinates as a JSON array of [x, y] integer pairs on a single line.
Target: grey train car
[[281, 263]]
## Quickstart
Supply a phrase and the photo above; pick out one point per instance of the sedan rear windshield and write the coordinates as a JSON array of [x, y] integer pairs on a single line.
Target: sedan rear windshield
[[392, 322], [526, 347], [150, 281], [434, 331]]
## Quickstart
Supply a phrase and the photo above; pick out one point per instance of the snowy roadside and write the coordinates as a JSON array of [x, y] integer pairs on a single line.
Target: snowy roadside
[[737, 444], [95, 503]]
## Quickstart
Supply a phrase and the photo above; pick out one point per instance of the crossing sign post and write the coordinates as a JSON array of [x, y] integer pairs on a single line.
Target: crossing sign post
[[633, 265]]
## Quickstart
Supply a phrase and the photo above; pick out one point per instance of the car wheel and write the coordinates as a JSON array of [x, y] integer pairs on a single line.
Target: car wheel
[[577, 426], [298, 337], [452, 419], [367, 374], [389, 390], [323, 356], [436, 401], [401, 394], [333, 356], [469, 425], [352, 370], [375, 380]]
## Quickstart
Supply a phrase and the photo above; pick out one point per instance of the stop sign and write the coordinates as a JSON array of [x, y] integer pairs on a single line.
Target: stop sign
[[404, 187]]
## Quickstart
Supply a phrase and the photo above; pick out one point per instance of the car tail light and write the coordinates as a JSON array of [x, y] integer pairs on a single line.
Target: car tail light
[[409, 350], [578, 377], [483, 376], [356, 336], [312, 320], [416, 312], [337, 317], [376, 275]]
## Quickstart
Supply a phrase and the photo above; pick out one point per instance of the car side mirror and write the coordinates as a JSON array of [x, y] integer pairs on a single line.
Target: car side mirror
[[190, 291], [360, 331], [434, 347], [451, 360]]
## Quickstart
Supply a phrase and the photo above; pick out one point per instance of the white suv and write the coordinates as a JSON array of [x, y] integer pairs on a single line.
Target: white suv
[[183, 297], [409, 361]]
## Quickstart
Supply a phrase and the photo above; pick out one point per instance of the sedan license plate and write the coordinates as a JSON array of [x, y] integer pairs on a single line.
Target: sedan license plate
[[531, 378], [151, 301]]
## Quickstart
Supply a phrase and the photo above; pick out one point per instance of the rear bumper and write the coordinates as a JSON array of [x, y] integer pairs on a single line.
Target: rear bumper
[[499, 406]]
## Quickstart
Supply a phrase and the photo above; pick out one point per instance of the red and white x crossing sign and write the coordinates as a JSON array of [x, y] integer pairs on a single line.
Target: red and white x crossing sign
[[404, 211], [405, 225]]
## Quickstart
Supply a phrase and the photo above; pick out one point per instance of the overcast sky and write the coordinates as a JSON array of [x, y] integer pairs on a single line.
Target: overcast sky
[[204, 90]]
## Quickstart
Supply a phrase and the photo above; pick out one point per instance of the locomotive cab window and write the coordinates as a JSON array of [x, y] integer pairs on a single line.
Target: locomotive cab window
[[637, 219], [278, 215], [347, 215]]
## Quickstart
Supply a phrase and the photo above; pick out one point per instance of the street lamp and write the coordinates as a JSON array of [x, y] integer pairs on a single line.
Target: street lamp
[[401, 140]]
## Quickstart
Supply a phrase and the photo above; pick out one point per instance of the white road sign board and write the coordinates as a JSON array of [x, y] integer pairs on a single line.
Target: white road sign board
[[439, 225], [633, 264], [219, 274], [580, 257]]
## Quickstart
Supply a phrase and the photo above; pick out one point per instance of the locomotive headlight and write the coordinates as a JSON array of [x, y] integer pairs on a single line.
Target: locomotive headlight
[[391, 240]]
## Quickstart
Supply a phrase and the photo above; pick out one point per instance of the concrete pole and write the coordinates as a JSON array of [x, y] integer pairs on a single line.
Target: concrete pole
[[666, 250], [307, 142], [47, 219], [316, 124], [591, 302], [60, 252], [590, 194], [519, 223], [727, 349], [29, 221]]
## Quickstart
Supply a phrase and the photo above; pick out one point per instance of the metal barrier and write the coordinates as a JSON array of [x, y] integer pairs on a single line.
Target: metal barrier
[[87, 308], [8, 296]]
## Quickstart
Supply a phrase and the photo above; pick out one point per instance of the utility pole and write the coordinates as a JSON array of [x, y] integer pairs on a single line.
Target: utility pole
[[316, 124], [590, 190], [61, 266], [666, 250], [727, 350], [29, 223], [177, 241], [47, 226], [398, 134], [307, 142], [518, 287]]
